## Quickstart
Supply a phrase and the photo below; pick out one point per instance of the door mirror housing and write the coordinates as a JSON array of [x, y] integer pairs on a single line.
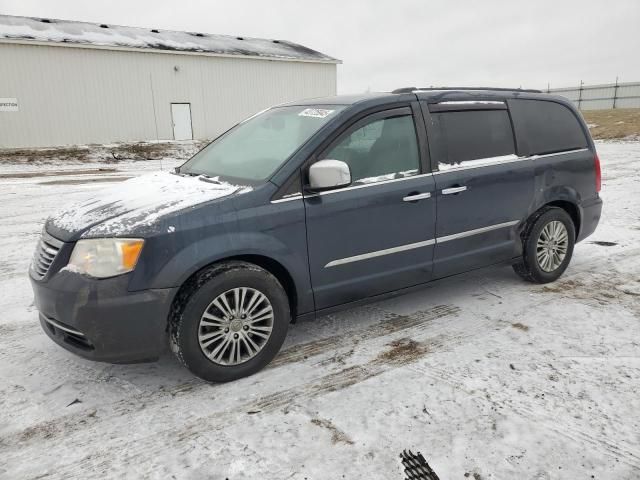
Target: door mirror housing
[[329, 174]]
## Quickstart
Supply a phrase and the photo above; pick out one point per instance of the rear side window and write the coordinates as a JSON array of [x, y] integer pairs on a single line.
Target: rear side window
[[546, 127], [473, 135]]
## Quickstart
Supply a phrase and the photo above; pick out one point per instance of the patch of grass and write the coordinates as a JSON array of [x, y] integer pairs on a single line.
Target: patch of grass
[[108, 153], [138, 151], [43, 155], [612, 124]]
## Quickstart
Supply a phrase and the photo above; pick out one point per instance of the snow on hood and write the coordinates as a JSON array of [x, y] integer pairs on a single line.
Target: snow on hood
[[140, 202]]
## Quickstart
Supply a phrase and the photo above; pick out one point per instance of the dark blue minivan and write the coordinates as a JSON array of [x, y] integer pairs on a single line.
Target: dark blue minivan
[[312, 206]]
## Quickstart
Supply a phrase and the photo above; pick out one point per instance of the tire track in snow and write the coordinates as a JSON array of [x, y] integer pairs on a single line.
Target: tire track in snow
[[619, 451], [391, 323], [180, 442], [69, 367], [427, 344], [70, 438]]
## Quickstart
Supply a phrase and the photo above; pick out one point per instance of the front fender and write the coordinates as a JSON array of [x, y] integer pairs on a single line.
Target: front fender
[[197, 255], [209, 250]]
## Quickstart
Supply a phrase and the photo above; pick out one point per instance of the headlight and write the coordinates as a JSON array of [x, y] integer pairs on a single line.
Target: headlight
[[105, 257]]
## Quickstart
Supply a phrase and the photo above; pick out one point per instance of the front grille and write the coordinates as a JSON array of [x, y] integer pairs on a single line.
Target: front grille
[[46, 252]]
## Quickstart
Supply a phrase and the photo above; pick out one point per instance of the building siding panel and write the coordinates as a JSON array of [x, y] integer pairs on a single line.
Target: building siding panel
[[73, 95]]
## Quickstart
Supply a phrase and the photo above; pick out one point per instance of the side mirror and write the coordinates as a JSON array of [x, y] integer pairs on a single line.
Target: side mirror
[[328, 174]]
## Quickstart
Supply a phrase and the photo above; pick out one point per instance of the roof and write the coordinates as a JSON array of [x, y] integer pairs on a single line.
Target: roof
[[72, 33]]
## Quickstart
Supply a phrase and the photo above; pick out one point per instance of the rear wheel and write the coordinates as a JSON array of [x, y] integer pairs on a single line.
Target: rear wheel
[[232, 323], [548, 243]]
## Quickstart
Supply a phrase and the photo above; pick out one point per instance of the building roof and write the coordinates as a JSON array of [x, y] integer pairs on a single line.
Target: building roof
[[72, 33]]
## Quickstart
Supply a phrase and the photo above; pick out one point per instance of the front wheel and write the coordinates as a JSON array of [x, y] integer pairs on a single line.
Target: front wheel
[[233, 321], [548, 243]]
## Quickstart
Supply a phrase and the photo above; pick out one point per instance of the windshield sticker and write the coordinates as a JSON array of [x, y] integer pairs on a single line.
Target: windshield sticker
[[315, 112]]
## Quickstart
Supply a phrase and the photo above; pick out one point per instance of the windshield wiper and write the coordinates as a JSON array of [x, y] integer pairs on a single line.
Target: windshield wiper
[[201, 176], [187, 174], [208, 179]]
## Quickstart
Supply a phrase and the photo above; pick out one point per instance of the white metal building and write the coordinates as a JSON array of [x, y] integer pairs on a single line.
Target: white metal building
[[65, 82]]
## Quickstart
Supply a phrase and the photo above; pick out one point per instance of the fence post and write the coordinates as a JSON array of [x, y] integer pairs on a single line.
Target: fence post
[[580, 95], [615, 93]]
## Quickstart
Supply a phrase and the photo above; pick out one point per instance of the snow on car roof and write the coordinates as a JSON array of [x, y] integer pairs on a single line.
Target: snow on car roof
[[70, 32]]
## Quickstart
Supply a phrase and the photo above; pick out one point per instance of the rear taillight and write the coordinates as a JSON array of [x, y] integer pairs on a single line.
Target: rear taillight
[[598, 173]]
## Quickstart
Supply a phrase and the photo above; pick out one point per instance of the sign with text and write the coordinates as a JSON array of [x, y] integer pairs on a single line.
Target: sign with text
[[8, 104]]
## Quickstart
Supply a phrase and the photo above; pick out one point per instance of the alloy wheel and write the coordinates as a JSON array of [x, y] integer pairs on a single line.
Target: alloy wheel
[[236, 326], [552, 245]]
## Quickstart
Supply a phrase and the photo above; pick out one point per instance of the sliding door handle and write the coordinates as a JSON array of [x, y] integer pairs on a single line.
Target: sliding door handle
[[453, 190], [414, 197]]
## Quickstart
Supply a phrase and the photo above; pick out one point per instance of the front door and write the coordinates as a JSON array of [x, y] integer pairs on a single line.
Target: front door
[[483, 188], [181, 118], [376, 235]]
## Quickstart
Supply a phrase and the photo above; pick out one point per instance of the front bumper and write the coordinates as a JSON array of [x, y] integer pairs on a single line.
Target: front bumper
[[100, 319]]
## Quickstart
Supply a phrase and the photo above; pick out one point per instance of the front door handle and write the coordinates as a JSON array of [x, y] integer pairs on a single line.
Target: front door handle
[[414, 197], [453, 190]]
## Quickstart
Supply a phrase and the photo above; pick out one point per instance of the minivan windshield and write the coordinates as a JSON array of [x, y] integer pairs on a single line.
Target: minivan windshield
[[255, 148]]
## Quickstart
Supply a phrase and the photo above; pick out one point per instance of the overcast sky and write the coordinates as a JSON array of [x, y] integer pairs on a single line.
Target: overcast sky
[[394, 43]]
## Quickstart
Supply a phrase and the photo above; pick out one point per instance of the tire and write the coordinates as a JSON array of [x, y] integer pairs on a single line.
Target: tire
[[537, 265], [199, 329]]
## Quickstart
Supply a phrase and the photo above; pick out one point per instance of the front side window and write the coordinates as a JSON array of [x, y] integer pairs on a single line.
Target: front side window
[[254, 149], [473, 135], [380, 150]]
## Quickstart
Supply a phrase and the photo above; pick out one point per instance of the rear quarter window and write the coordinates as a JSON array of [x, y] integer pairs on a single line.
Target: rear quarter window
[[546, 127]]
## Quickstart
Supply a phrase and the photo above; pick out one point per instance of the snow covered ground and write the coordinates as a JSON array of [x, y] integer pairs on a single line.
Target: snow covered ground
[[487, 376]]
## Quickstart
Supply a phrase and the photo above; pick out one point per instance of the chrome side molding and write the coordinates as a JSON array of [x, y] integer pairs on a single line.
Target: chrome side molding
[[476, 231], [297, 196], [367, 185], [502, 160], [471, 102], [379, 253], [425, 243], [545, 155], [482, 162]]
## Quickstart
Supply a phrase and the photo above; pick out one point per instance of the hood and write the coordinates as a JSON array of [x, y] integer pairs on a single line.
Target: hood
[[139, 202]]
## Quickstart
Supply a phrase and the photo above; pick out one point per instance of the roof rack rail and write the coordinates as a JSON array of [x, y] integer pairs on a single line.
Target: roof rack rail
[[413, 89]]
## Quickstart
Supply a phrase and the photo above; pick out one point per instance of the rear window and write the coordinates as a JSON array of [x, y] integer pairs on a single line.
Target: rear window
[[546, 127], [473, 135]]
